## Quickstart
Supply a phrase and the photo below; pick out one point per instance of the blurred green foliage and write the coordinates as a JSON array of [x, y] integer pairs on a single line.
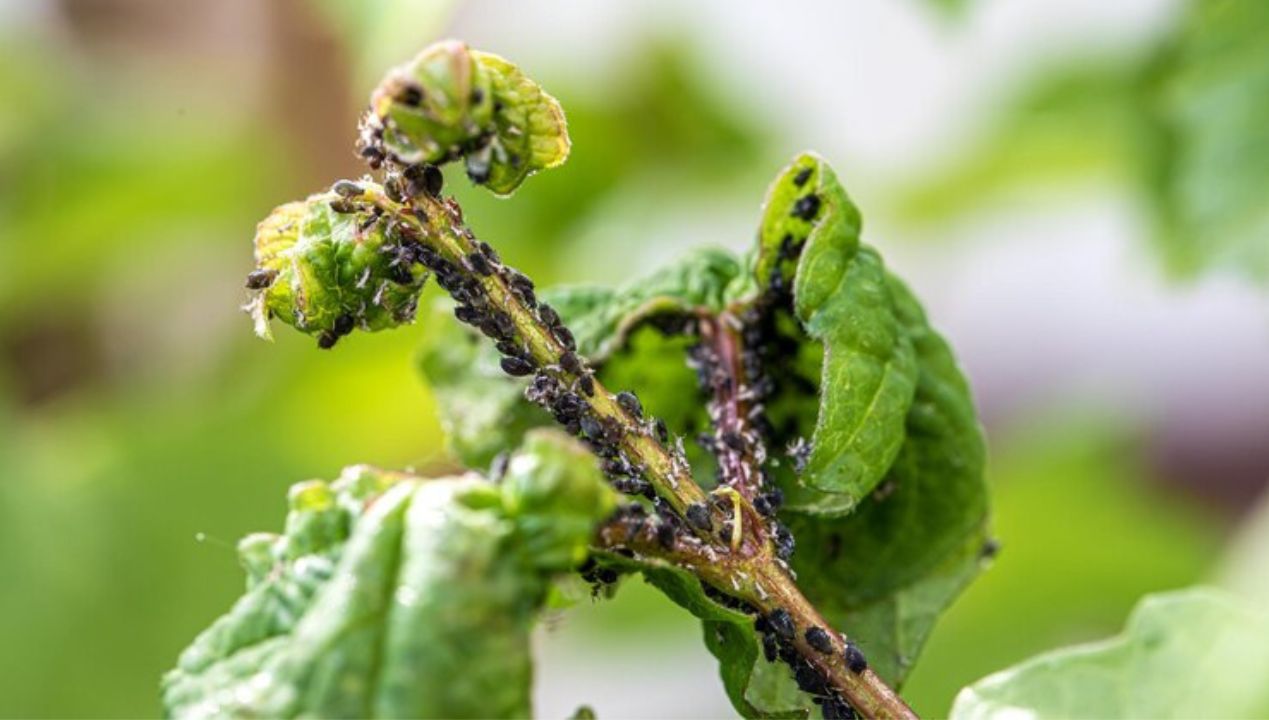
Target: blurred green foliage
[[1184, 126]]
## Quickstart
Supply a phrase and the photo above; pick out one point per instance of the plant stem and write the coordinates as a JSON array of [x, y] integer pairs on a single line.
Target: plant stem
[[713, 555]]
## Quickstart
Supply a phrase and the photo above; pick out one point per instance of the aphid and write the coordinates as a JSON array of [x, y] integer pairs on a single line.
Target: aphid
[[487, 250], [478, 264], [819, 639], [630, 403], [587, 384], [548, 316], [400, 274], [410, 94], [834, 708], [697, 515], [509, 347], [564, 336], [260, 279], [663, 434], [800, 451], [571, 362], [781, 623], [326, 340], [784, 542], [503, 322], [591, 426], [632, 485], [467, 314], [516, 366], [342, 206], [769, 503], [855, 659], [477, 96], [344, 324], [989, 549], [392, 188], [803, 175], [733, 440], [807, 207], [373, 156], [347, 188], [421, 179], [665, 536], [769, 647]]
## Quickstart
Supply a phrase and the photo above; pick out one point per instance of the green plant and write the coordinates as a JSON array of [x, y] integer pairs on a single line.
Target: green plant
[[827, 416]]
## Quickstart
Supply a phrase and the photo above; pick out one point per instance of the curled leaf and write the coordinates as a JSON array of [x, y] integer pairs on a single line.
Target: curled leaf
[[327, 266], [395, 596], [1185, 654], [453, 102]]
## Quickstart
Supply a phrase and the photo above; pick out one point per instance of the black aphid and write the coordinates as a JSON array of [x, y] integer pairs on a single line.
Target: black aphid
[[478, 264], [326, 340], [591, 426], [516, 366], [803, 175], [410, 94], [665, 536], [835, 708], [503, 322], [373, 156], [421, 179], [564, 336], [509, 347], [784, 542], [571, 362], [548, 316], [807, 207], [781, 623], [697, 515], [400, 274], [733, 440], [989, 549], [344, 324], [467, 314], [587, 384], [260, 279], [630, 403], [819, 639], [487, 250], [855, 659]]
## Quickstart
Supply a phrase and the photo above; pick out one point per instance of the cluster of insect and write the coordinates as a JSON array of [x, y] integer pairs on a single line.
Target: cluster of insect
[[734, 358]]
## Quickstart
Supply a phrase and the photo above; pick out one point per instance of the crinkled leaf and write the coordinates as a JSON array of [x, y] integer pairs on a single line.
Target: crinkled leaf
[[319, 268], [842, 300], [1187, 654], [451, 101], [392, 595], [888, 569]]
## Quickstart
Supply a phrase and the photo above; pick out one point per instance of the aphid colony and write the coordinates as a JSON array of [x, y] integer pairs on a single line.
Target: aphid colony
[[779, 633]]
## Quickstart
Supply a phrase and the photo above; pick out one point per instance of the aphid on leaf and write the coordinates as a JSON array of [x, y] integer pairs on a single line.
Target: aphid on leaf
[[835, 708], [548, 316], [344, 324], [343, 207], [803, 175], [807, 207], [769, 647], [487, 250], [564, 336], [421, 179], [571, 362], [260, 279], [587, 385], [478, 264], [327, 339]]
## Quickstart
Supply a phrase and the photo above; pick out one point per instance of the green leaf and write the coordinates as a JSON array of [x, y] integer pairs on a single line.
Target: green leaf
[[326, 272], [451, 101], [1192, 653], [886, 571], [392, 595], [842, 300]]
